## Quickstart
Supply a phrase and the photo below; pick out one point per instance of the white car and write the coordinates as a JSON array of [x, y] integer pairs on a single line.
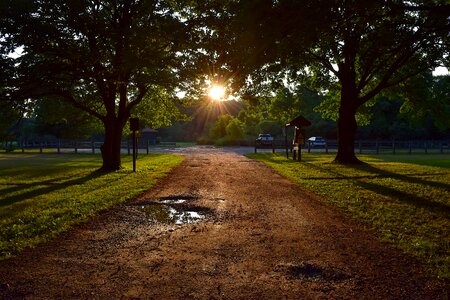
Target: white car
[[264, 139], [317, 141]]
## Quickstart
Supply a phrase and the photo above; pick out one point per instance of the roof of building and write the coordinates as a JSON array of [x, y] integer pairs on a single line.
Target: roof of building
[[148, 130], [299, 121]]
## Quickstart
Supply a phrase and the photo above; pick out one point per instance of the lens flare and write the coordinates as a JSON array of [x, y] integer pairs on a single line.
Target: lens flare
[[217, 92]]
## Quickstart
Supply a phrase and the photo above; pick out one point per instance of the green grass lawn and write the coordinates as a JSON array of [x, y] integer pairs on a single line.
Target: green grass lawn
[[406, 198], [42, 195]]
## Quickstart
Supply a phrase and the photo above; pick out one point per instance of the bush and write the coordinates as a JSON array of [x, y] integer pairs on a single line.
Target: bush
[[235, 129]]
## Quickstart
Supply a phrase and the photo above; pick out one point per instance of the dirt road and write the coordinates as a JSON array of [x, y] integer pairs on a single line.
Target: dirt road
[[245, 233]]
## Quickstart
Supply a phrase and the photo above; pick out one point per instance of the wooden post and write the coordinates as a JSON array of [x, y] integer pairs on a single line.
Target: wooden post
[[76, 147], [134, 150], [286, 142], [40, 147], [326, 148], [148, 145], [299, 152], [93, 147], [59, 147], [309, 146]]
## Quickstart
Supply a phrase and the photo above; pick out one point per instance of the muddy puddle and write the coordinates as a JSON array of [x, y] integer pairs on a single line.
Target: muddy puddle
[[172, 210]]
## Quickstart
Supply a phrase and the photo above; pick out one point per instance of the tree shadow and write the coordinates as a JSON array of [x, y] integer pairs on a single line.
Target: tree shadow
[[49, 186], [417, 201]]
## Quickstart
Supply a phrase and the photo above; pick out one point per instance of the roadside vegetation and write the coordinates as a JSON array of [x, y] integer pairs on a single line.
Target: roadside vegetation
[[405, 198], [42, 195]]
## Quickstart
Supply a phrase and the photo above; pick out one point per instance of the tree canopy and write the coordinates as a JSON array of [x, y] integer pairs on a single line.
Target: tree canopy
[[353, 50], [116, 58], [104, 57]]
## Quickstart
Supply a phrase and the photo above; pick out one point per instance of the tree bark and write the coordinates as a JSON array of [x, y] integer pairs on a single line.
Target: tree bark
[[347, 116], [346, 136], [112, 145]]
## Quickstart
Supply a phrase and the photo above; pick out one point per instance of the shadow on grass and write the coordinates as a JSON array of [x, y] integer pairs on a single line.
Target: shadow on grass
[[441, 160], [49, 186], [417, 201], [279, 159]]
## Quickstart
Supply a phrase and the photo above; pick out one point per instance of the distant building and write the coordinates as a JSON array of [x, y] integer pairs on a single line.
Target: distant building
[[148, 135]]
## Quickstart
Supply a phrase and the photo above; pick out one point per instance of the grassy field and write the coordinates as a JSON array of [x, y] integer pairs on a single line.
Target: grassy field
[[405, 198], [42, 195]]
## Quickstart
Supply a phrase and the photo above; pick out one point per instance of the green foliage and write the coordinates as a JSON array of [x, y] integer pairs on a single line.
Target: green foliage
[[227, 130], [159, 108], [62, 120], [219, 128], [10, 114], [235, 129], [271, 127], [351, 50], [426, 95], [405, 198], [36, 206], [285, 106], [102, 57]]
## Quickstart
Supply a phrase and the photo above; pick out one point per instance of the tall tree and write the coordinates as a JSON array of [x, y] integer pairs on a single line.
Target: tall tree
[[103, 56], [353, 49]]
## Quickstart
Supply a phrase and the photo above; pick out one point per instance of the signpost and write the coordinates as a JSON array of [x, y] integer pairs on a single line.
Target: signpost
[[297, 123], [134, 126]]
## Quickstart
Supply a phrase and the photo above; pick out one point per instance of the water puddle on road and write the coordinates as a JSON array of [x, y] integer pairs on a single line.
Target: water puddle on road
[[167, 214]]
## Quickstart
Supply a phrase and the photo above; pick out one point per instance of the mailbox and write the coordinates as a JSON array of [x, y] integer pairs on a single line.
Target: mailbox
[[134, 124]]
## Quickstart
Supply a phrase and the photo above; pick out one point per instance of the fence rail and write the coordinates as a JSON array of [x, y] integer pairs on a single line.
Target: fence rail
[[372, 147], [75, 146], [361, 146]]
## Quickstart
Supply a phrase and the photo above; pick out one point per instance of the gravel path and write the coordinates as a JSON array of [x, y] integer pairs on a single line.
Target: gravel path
[[244, 232]]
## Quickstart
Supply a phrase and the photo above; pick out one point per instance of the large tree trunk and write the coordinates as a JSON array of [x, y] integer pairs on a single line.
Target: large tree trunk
[[112, 145], [347, 118], [346, 136]]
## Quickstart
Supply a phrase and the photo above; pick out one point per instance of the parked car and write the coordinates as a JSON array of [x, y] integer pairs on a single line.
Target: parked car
[[317, 141], [264, 139]]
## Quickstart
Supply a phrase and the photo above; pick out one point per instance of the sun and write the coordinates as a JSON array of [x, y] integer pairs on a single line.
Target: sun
[[217, 92]]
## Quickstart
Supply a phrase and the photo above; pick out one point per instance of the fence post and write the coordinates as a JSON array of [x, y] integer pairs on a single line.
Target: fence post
[[128, 147], [22, 145], [148, 145], [393, 147], [309, 146], [326, 148], [76, 147], [59, 147], [93, 147], [40, 147]]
